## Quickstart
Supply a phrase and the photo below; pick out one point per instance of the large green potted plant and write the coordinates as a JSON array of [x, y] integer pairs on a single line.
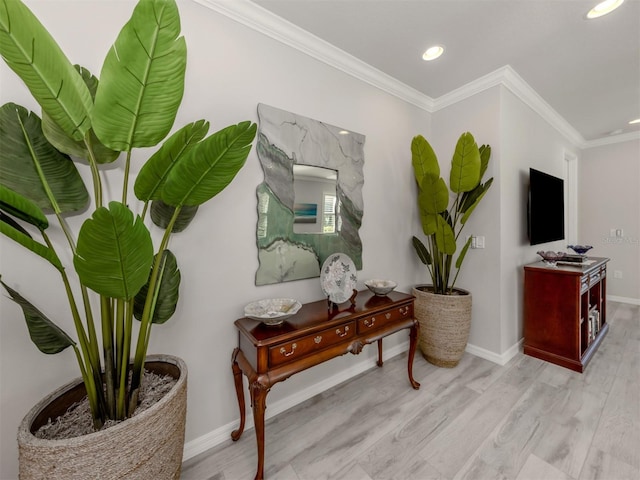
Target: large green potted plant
[[443, 310], [120, 275]]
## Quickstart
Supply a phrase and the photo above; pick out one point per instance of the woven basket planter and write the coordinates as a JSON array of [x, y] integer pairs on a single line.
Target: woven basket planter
[[445, 321], [147, 446]]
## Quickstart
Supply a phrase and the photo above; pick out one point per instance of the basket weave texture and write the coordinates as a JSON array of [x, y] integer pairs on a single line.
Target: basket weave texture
[[445, 322], [147, 446]]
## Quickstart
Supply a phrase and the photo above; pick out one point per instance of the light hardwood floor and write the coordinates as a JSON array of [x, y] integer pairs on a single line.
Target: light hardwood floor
[[526, 420]]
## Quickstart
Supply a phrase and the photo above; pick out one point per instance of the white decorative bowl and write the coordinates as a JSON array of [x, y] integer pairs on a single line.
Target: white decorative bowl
[[380, 287], [272, 311]]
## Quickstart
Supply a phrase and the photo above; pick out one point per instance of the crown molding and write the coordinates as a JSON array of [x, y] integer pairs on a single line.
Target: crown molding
[[261, 20], [625, 137], [507, 77]]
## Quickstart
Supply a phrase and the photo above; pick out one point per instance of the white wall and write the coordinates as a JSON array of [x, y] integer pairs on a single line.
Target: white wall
[[479, 115], [527, 140], [230, 70], [609, 198]]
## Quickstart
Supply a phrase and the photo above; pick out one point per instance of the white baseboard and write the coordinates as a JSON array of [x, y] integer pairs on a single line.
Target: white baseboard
[[500, 359], [631, 301], [223, 433]]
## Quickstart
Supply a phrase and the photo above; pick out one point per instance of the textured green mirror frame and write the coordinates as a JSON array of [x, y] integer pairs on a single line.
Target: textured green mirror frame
[[286, 139]]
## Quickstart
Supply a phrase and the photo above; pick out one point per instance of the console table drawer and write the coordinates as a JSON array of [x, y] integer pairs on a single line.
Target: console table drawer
[[285, 352], [381, 319]]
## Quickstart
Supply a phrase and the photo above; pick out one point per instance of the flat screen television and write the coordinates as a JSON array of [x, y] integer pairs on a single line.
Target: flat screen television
[[545, 212]]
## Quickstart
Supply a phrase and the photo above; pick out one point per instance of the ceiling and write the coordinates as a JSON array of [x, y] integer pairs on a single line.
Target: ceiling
[[588, 71]]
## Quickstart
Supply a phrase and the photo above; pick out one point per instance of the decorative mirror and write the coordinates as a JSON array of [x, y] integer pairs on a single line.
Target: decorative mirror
[[310, 203]]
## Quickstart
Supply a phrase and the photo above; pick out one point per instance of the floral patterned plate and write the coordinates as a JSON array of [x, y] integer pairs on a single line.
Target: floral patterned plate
[[338, 277]]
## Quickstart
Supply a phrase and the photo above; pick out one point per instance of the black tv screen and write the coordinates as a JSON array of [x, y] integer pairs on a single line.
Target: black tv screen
[[546, 207]]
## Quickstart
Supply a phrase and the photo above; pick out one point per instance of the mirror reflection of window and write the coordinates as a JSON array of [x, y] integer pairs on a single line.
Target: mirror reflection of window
[[329, 214], [314, 199]]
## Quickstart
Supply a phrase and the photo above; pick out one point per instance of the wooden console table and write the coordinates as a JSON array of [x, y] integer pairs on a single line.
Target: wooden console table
[[268, 355]]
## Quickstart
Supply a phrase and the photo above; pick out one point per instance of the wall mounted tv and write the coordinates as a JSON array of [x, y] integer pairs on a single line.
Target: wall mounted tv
[[545, 212]]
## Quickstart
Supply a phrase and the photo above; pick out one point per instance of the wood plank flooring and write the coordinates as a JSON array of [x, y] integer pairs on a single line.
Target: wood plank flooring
[[527, 420]]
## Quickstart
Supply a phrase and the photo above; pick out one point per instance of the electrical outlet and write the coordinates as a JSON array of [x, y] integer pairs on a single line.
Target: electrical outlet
[[617, 274]]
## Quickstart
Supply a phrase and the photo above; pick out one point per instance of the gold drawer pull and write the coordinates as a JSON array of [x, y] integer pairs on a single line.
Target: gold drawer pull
[[403, 310], [368, 323], [288, 354], [387, 315], [318, 339], [340, 334]]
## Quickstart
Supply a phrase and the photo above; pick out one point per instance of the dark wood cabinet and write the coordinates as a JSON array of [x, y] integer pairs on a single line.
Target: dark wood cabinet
[[565, 314]]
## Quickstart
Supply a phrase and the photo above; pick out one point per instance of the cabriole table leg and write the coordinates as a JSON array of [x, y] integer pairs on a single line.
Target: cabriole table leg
[[413, 341], [237, 378]]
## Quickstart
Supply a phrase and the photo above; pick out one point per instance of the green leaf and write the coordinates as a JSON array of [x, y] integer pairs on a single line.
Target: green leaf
[[433, 197], [142, 79], [481, 191], [423, 159], [161, 215], [465, 165], [22, 208], [485, 155], [19, 235], [31, 52], [167, 292], [31, 166], [210, 166], [153, 174], [445, 237], [63, 142], [46, 335], [463, 253], [421, 250], [114, 252]]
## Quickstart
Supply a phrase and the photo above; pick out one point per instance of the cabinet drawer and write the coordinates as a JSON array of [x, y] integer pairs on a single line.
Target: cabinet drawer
[[381, 319], [286, 352]]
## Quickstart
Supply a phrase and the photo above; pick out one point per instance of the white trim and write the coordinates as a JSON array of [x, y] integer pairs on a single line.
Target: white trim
[[261, 20], [625, 137], [500, 359], [630, 301], [223, 433]]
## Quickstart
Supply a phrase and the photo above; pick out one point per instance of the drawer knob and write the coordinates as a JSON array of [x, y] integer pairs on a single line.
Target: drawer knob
[[368, 323], [387, 315], [318, 339], [284, 352], [342, 334], [403, 310]]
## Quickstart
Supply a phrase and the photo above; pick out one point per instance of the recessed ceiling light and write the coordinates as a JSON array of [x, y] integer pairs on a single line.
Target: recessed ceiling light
[[633, 122], [344, 132], [603, 8], [432, 53]]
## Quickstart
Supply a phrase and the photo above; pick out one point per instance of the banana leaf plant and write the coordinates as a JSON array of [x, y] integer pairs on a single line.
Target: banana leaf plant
[[133, 105], [445, 210]]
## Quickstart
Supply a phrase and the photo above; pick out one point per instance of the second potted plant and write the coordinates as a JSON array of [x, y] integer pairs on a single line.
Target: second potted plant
[[443, 310]]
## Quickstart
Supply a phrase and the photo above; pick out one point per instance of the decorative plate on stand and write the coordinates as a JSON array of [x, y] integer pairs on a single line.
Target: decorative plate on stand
[[338, 277]]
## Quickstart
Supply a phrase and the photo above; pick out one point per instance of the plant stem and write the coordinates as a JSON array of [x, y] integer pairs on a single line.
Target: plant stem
[[147, 314], [107, 346], [95, 173]]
